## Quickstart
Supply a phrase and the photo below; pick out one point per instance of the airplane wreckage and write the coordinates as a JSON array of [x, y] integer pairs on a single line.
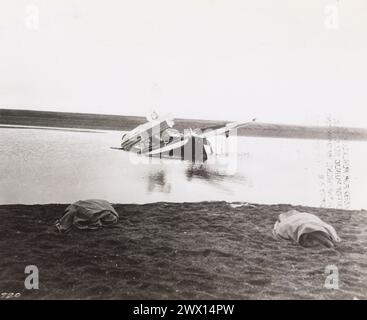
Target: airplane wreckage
[[158, 138]]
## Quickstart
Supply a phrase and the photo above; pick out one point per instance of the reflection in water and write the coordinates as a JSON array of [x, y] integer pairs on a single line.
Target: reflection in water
[[157, 182], [201, 171], [205, 172]]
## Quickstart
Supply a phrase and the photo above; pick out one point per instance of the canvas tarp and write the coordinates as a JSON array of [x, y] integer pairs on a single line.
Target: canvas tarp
[[87, 214], [305, 229]]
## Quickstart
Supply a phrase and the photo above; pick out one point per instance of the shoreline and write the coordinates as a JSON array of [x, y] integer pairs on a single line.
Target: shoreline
[[167, 250], [67, 120], [232, 204]]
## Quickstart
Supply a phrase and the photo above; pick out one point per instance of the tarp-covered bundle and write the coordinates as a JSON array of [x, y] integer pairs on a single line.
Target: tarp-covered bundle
[[87, 214], [304, 228]]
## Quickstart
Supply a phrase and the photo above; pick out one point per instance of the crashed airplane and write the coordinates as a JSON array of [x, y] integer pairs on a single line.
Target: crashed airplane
[[158, 138]]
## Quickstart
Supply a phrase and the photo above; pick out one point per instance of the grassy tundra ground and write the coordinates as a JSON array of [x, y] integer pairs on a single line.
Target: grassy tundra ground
[[179, 251]]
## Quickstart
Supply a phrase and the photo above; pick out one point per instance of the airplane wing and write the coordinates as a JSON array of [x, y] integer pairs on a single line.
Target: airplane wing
[[144, 132], [210, 132]]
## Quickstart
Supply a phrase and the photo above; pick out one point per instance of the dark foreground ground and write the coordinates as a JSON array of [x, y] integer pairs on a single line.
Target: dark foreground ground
[[179, 251]]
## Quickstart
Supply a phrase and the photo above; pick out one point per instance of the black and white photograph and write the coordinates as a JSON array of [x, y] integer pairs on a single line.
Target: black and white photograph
[[183, 150]]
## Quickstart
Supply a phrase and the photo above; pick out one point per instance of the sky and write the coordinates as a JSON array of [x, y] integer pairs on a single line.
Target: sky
[[284, 61]]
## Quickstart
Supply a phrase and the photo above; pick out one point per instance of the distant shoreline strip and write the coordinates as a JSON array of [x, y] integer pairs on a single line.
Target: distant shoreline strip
[[11, 126]]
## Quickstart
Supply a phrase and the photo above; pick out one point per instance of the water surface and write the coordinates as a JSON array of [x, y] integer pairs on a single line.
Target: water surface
[[57, 166]]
